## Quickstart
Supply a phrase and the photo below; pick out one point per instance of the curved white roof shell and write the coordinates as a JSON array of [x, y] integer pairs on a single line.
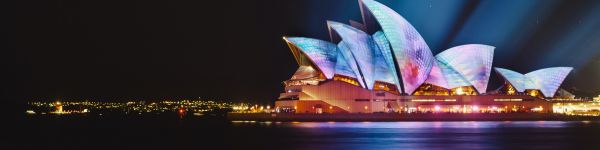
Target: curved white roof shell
[[321, 53], [357, 42], [546, 80], [342, 67], [410, 50], [549, 79], [386, 52], [472, 61]]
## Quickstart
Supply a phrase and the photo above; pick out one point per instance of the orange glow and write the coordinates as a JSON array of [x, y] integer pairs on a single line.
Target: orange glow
[[429, 89], [533, 93], [459, 91], [465, 90], [348, 80]]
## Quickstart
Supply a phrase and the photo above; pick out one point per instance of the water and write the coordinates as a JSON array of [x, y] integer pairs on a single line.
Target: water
[[189, 133], [438, 135], [441, 135]]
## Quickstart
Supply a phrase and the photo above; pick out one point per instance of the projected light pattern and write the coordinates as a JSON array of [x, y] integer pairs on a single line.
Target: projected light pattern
[[382, 72], [321, 53], [350, 59], [546, 80], [342, 67], [517, 80], [471, 61], [436, 76], [361, 46], [386, 51], [445, 76], [411, 52]]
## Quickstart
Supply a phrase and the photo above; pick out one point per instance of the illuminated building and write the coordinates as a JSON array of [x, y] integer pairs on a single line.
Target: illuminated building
[[386, 66]]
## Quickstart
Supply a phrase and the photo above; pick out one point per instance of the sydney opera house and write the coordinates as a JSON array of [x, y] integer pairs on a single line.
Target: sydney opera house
[[384, 65]]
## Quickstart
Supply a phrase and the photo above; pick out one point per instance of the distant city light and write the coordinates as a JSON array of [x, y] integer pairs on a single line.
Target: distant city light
[[140, 107], [30, 112]]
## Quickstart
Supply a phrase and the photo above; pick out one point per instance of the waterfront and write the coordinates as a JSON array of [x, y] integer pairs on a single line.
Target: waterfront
[[172, 132]]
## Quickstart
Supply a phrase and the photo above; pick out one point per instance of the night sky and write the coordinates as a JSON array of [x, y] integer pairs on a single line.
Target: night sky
[[233, 50]]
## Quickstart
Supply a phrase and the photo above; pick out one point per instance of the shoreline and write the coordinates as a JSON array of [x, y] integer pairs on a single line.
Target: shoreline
[[405, 117]]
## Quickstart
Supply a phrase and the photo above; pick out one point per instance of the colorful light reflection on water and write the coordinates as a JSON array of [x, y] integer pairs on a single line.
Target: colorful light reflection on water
[[437, 135], [462, 124]]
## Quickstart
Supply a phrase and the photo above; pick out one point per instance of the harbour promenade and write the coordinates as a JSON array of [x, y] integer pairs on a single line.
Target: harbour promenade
[[407, 117]]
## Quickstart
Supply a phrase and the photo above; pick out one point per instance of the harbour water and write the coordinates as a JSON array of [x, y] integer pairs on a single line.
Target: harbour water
[[441, 135], [155, 132]]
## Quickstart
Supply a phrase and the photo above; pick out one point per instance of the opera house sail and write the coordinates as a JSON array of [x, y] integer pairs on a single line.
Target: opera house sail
[[384, 65], [546, 80]]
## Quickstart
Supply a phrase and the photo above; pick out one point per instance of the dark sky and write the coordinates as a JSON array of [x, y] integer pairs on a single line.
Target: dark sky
[[232, 50]]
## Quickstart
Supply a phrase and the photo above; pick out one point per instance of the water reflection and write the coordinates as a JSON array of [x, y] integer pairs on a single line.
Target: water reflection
[[439, 135], [461, 124]]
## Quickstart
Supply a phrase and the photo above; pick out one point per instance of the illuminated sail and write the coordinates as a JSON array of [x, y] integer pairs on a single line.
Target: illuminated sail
[[410, 50]]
